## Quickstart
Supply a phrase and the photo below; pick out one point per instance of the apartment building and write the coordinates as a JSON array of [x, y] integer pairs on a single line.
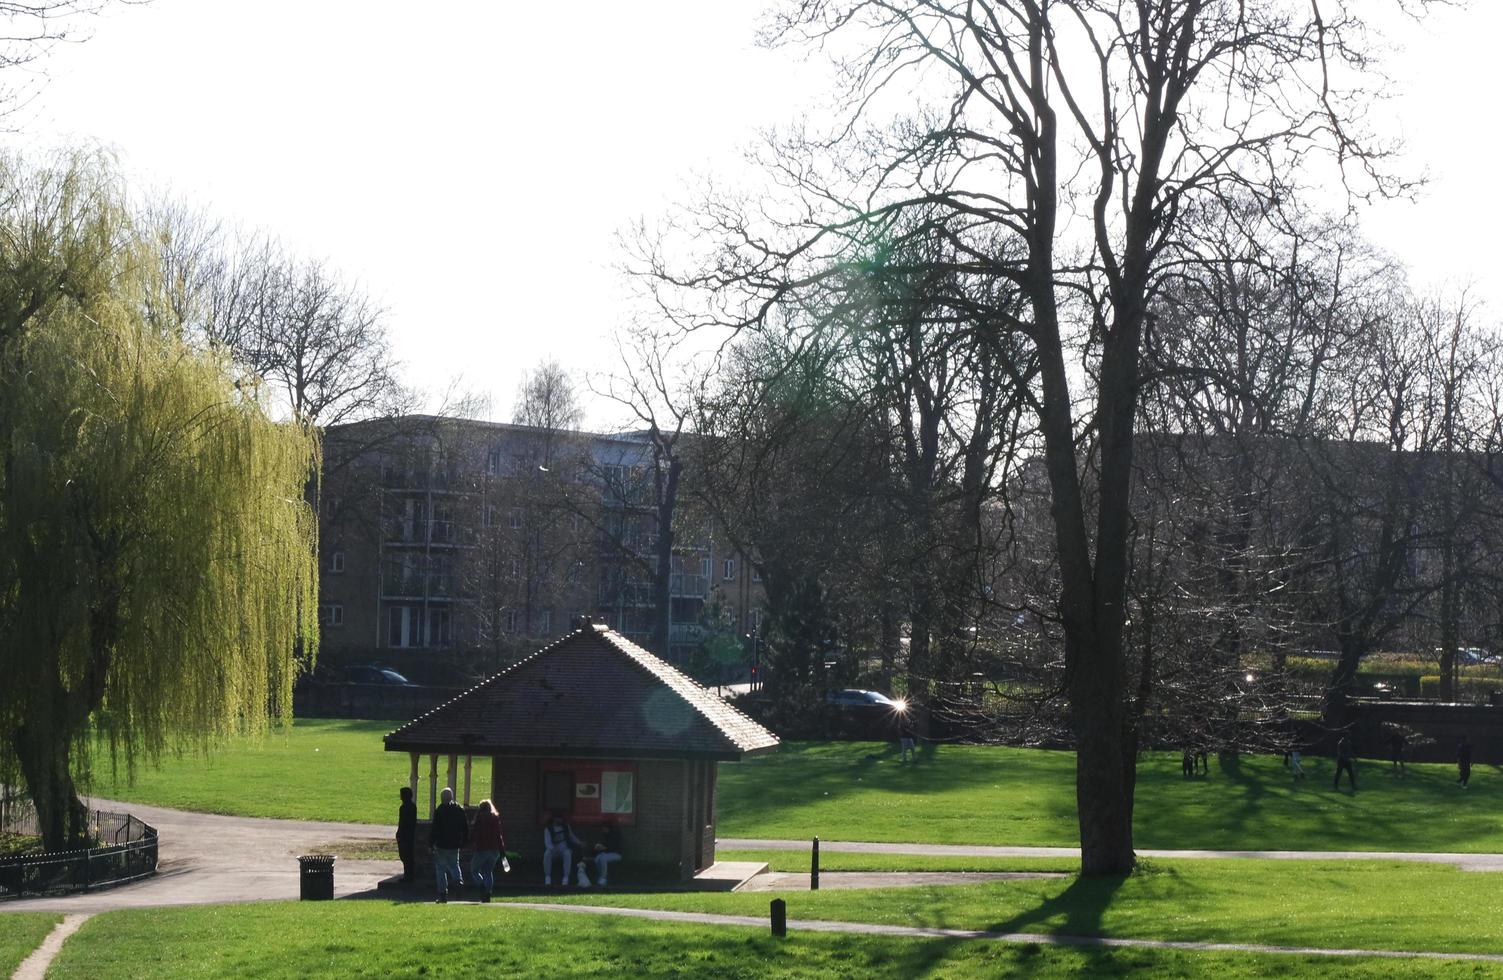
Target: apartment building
[[466, 545]]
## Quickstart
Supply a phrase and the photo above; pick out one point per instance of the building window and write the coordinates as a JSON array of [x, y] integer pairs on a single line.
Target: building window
[[404, 627], [510, 618], [493, 463], [331, 614], [331, 505], [438, 627], [754, 619], [756, 574], [729, 571], [514, 568], [489, 518], [704, 567], [516, 520], [545, 627], [336, 562]]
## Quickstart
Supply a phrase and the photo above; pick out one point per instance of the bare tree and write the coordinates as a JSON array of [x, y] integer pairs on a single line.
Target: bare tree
[[1084, 132], [319, 341]]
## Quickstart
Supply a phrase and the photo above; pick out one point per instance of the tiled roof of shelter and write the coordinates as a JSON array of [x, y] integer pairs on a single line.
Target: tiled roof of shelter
[[594, 693]]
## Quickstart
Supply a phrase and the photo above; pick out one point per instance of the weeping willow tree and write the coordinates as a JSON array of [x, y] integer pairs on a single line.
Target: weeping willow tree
[[157, 557]]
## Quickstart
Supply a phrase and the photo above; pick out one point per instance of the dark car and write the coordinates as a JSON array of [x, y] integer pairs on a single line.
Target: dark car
[[855, 713], [367, 674]]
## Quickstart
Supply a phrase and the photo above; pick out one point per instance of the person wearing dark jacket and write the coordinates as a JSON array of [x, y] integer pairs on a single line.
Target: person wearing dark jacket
[[406, 832], [1464, 760], [606, 852], [446, 835], [1345, 762], [489, 844]]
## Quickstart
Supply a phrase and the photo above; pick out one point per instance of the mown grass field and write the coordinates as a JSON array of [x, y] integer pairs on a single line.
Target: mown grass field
[[377, 939], [1338, 904], [336, 770], [989, 795], [316, 770], [20, 933]]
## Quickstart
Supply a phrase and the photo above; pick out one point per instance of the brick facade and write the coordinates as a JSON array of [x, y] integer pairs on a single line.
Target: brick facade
[[663, 835]]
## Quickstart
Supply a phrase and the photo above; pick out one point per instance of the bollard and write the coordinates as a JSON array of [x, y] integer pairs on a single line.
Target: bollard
[[779, 918], [814, 867]]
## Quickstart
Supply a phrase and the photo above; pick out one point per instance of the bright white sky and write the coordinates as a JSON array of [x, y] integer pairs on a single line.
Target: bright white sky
[[471, 162]]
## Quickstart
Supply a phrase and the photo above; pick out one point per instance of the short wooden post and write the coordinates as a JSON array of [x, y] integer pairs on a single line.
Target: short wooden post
[[779, 918], [814, 867], [467, 760], [432, 783]]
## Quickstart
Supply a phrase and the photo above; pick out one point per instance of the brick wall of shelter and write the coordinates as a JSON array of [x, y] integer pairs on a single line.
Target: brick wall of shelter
[[658, 837]]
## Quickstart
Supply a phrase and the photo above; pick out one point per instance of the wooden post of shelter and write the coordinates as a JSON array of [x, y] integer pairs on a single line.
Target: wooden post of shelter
[[432, 784], [412, 777], [453, 772], [467, 760]]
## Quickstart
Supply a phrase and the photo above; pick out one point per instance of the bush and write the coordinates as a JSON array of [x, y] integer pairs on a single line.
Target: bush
[[1467, 688]]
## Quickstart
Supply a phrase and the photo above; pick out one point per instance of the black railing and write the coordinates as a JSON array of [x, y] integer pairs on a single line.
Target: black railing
[[127, 851]]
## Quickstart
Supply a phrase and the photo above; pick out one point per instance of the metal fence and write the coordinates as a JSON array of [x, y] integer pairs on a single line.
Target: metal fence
[[127, 851]]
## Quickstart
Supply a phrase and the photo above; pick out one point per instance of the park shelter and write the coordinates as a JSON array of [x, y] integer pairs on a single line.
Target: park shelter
[[599, 729]]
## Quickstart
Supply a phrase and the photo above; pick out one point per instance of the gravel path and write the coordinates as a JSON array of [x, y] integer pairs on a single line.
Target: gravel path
[[207, 858]]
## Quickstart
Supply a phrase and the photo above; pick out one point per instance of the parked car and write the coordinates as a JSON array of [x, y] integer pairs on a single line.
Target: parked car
[[369, 674], [855, 713]]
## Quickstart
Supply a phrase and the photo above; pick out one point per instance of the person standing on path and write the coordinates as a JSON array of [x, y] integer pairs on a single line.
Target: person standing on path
[[1345, 762], [1397, 743], [489, 843], [1464, 760], [907, 739], [446, 836], [407, 832]]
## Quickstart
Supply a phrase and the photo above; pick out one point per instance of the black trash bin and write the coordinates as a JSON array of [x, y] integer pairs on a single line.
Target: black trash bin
[[316, 877]]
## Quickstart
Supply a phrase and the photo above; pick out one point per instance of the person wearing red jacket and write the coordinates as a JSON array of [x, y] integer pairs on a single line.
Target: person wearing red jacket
[[489, 843]]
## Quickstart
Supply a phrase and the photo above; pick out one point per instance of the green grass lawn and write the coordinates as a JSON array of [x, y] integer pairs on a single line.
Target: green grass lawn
[[337, 770], [377, 939], [991, 795], [1363, 905], [20, 933], [318, 770]]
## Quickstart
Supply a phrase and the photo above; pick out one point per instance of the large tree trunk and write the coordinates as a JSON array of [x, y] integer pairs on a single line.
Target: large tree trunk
[[1343, 686], [45, 757]]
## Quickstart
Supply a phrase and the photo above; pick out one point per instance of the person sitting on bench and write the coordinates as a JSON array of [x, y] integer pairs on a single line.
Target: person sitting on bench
[[607, 851], [559, 841]]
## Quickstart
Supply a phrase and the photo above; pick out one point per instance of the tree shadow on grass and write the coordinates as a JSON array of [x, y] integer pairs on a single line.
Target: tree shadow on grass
[[1078, 910]]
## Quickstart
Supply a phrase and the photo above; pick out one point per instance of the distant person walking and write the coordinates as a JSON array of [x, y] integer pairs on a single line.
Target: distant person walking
[[907, 740], [489, 844], [446, 836], [407, 832], [1345, 762], [1295, 768], [1464, 760], [1397, 743]]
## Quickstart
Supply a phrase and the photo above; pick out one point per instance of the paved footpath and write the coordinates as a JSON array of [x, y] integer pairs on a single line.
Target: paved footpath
[[206, 858], [1043, 939], [1466, 862]]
